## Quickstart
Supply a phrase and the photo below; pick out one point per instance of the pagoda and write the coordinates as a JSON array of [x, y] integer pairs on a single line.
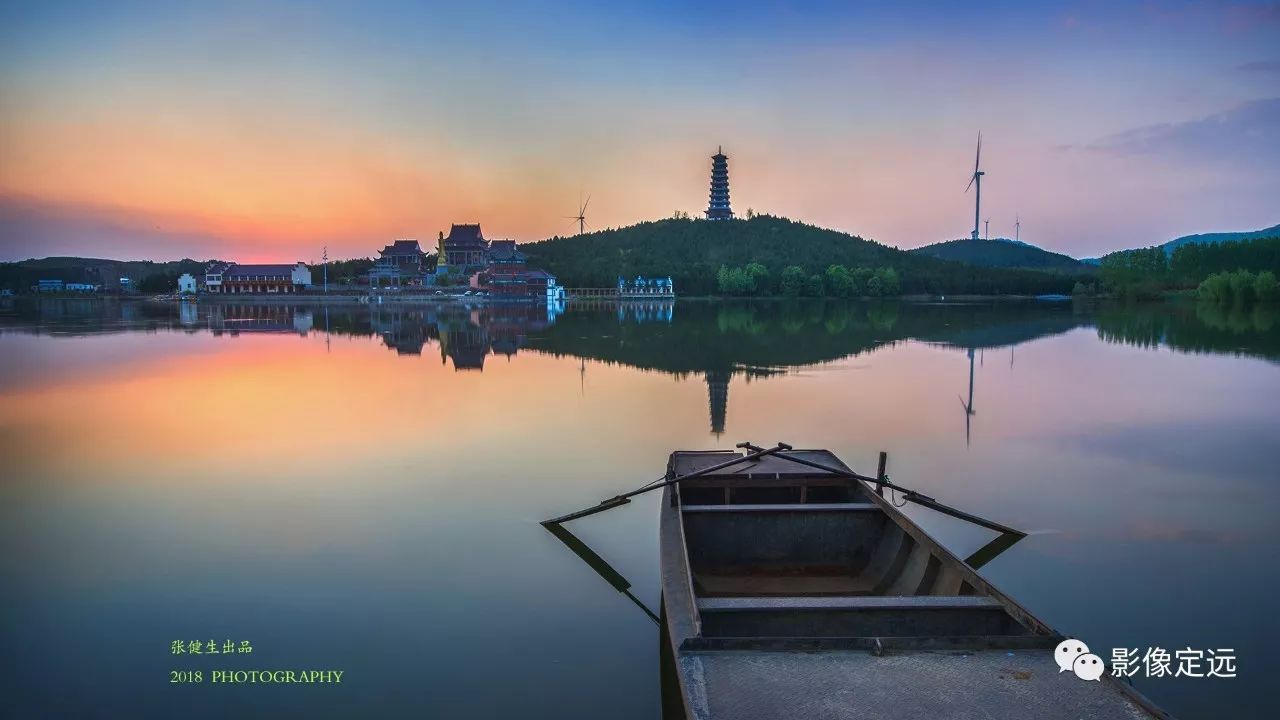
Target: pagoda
[[719, 207]]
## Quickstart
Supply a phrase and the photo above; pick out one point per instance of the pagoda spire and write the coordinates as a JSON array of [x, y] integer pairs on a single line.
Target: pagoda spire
[[718, 208]]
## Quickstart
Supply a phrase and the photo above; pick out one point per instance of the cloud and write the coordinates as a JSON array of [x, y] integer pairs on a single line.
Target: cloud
[[1245, 137], [35, 228], [1262, 67]]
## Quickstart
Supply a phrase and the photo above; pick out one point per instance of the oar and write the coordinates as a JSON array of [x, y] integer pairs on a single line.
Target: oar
[[597, 563], [991, 550], [907, 493], [617, 500]]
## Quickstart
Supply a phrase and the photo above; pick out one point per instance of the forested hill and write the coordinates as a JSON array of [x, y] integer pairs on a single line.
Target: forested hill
[[1001, 253], [1220, 237], [692, 251]]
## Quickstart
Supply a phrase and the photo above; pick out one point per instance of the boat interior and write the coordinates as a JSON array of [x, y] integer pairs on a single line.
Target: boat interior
[[776, 549]]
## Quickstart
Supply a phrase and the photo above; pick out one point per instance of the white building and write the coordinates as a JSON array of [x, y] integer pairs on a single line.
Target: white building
[[213, 276], [186, 284], [301, 274]]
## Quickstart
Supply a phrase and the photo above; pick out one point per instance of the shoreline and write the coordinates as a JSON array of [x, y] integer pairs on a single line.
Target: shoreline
[[349, 298]]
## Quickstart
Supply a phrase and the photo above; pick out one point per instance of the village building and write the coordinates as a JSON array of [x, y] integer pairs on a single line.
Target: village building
[[186, 284], [213, 276], [271, 279], [643, 286]]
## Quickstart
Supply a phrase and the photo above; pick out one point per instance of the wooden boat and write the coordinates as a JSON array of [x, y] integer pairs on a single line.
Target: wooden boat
[[793, 592]]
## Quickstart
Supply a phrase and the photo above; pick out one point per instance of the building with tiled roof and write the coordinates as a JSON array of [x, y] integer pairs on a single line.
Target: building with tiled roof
[[401, 262], [464, 248], [235, 278]]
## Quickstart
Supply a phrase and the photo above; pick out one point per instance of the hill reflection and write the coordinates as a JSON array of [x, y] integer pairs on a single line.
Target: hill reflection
[[714, 340]]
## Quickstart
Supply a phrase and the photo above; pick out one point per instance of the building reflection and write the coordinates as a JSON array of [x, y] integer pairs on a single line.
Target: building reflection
[[233, 319]]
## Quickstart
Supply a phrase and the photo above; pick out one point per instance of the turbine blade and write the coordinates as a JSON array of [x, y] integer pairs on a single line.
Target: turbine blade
[[583, 211], [971, 179]]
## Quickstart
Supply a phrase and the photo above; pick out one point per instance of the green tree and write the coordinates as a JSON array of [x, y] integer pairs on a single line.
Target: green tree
[[875, 286], [861, 277], [839, 281], [889, 284], [1265, 287], [158, 283], [813, 286], [1242, 287], [759, 277], [1216, 288], [793, 280], [1123, 270]]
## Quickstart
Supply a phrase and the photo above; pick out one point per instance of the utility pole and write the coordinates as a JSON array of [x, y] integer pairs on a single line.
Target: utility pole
[[326, 268]]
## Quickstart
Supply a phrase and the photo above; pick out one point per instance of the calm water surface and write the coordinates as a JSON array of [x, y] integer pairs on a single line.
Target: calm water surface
[[360, 487]]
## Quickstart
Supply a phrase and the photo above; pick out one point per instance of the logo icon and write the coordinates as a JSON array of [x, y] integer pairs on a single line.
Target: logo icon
[[1067, 652], [1088, 667]]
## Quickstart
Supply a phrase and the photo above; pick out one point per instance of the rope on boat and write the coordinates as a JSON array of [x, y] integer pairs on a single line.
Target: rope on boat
[[893, 496]]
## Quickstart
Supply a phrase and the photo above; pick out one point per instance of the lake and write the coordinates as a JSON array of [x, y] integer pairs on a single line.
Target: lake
[[359, 487]]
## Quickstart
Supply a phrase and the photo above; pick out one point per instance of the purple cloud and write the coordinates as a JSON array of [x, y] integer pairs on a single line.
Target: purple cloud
[[1247, 136], [34, 228], [1264, 67]]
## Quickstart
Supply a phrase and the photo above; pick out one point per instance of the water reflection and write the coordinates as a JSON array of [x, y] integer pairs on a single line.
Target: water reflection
[[715, 341], [185, 469]]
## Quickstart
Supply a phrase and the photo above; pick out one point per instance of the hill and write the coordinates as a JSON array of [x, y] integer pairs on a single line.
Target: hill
[[1220, 237], [1001, 253], [692, 251]]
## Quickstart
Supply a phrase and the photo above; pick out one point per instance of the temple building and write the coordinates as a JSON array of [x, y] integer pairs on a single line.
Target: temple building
[[464, 249], [719, 208], [508, 276], [504, 257], [401, 263]]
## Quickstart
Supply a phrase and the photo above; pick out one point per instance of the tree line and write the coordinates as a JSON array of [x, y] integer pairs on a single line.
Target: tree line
[[1233, 266], [837, 281], [1240, 288]]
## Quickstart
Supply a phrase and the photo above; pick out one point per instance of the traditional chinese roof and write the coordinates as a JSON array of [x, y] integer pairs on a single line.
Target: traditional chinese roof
[[463, 237], [505, 251], [535, 275], [236, 271], [402, 248]]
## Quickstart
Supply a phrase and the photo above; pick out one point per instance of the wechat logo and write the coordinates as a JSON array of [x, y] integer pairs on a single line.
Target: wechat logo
[[1074, 655]]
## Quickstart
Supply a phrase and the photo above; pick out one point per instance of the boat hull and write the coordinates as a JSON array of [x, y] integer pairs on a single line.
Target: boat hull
[[790, 592]]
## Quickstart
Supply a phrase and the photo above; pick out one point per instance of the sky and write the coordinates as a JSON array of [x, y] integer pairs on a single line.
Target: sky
[[265, 131]]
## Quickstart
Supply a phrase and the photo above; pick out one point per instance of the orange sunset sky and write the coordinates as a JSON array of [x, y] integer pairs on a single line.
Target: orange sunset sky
[[264, 131]]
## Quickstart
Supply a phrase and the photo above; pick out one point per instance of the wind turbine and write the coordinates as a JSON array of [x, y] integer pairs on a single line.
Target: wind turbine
[[1017, 228], [581, 217], [968, 406], [976, 178], [986, 231]]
